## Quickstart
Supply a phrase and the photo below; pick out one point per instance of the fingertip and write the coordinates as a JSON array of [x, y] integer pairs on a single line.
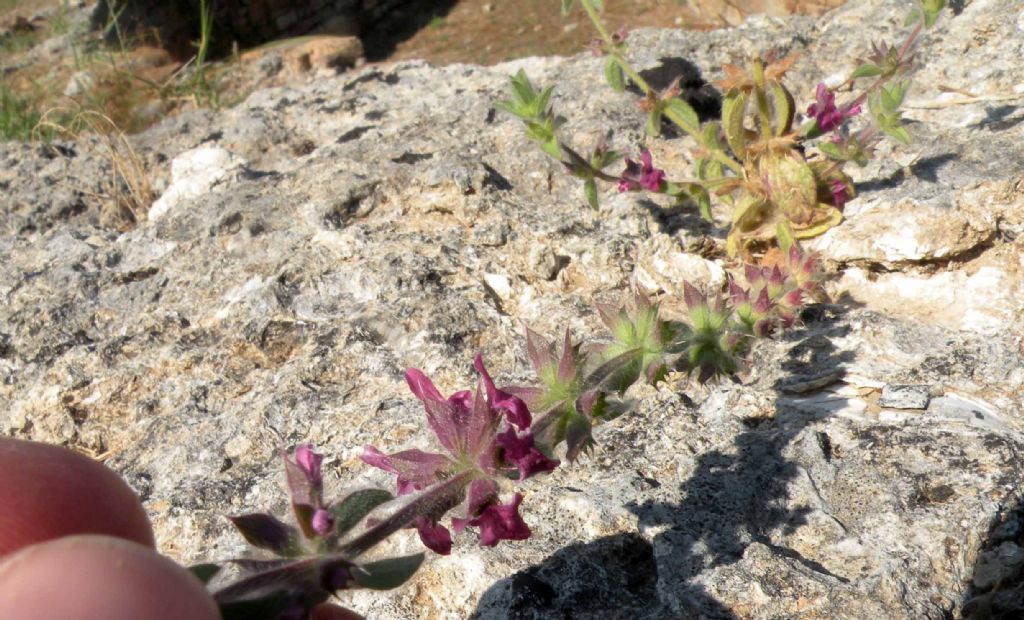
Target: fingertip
[[100, 578], [50, 492]]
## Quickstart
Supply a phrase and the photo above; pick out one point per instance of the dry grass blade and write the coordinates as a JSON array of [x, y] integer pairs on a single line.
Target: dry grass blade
[[129, 195]]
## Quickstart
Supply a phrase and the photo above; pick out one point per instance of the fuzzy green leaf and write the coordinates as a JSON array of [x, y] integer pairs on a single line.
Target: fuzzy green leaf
[[613, 74], [551, 147], [653, 126], [351, 510], [566, 6], [685, 111], [931, 9], [866, 70], [784, 233], [733, 110], [267, 532], [831, 149], [794, 187], [522, 87], [782, 101], [590, 191], [387, 574], [898, 132]]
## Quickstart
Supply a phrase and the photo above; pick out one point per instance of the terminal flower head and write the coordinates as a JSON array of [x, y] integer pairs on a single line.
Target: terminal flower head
[[486, 437]]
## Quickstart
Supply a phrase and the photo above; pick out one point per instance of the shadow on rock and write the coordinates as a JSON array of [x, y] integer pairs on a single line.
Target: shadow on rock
[[613, 578], [996, 589], [734, 497]]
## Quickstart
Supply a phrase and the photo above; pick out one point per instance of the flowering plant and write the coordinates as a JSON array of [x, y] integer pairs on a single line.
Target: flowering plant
[[781, 184], [755, 159], [490, 439]]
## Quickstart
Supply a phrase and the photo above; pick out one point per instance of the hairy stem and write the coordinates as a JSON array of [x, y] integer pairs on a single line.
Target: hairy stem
[[432, 502]]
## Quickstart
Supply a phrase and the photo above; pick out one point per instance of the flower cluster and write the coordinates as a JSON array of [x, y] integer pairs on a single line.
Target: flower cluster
[[756, 160], [487, 437], [825, 113], [641, 175]]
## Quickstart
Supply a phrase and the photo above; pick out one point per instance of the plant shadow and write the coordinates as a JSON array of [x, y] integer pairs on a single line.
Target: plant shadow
[[926, 169], [734, 497], [996, 588]]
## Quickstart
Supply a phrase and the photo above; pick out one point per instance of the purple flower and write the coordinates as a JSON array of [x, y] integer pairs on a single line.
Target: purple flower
[[322, 522], [306, 483], [520, 449], [436, 537], [498, 522], [487, 438], [309, 462], [642, 175], [840, 193], [825, 112]]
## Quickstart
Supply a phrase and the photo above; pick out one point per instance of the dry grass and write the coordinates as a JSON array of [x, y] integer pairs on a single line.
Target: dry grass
[[128, 195]]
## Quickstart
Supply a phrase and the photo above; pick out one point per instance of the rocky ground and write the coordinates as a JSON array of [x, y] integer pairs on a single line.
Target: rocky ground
[[307, 245]]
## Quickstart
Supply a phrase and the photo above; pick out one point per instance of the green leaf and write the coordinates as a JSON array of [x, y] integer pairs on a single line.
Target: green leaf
[[590, 191], [543, 100], [552, 148], [268, 532], [912, 18], [831, 149], [866, 70], [613, 74], [679, 107], [566, 6], [351, 510], [653, 126], [522, 87], [698, 194], [899, 133], [204, 572], [387, 574], [512, 108], [784, 105], [931, 10], [598, 4], [616, 374], [703, 198], [733, 109], [784, 233]]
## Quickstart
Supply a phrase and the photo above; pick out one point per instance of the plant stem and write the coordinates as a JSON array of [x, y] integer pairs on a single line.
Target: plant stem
[[641, 83], [432, 502]]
